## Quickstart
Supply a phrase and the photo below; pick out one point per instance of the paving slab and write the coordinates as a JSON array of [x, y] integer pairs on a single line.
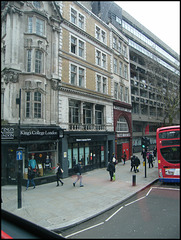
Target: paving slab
[[54, 207]]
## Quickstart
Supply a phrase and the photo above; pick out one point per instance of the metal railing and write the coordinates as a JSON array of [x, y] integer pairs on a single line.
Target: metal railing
[[86, 127]]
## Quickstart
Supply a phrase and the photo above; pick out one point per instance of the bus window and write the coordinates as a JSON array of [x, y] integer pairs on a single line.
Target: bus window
[[171, 154]]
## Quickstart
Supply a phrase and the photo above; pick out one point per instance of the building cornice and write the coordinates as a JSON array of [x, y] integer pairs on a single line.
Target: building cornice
[[85, 92]]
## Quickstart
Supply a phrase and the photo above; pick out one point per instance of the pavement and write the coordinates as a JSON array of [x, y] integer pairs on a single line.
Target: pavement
[[56, 208]]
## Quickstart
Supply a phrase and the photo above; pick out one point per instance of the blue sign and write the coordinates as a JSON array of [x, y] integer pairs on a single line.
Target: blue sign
[[19, 155]]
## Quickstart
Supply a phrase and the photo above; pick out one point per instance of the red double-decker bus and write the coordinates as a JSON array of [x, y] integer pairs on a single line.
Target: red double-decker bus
[[168, 153]]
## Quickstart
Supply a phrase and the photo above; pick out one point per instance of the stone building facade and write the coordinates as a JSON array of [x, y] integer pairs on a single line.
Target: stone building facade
[[29, 85], [59, 69]]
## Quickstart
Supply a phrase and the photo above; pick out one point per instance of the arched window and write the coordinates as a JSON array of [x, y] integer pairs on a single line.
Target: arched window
[[122, 125]]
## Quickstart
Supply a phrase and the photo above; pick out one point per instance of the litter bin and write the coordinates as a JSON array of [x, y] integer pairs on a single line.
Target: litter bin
[[134, 180]]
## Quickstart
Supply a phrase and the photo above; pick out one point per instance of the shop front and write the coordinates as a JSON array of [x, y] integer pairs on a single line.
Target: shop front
[[123, 130], [93, 149], [39, 143]]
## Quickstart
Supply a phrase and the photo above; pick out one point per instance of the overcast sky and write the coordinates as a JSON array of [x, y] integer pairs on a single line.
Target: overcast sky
[[162, 18]]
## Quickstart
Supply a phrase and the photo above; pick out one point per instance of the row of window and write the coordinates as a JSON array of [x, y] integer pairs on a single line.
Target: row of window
[[78, 78], [146, 110], [119, 46], [148, 41], [151, 55], [118, 68], [78, 48], [121, 93], [37, 57], [89, 110], [78, 19], [91, 113]]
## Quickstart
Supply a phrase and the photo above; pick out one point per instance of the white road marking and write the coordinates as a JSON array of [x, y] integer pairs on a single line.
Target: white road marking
[[135, 201], [113, 214], [119, 210], [84, 230]]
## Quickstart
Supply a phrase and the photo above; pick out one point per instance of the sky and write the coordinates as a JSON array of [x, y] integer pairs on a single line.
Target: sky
[[162, 18]]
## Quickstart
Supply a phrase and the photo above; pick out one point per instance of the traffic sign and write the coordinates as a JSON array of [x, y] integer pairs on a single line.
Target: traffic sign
[[19, 155]]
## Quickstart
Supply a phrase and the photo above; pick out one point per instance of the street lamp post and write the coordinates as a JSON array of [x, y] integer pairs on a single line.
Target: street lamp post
[[145, 143], [19, 155]]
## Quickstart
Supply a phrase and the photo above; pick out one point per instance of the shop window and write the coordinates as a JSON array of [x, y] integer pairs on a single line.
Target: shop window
[[81, 155], [75, 156], [86, 156], [46, 159], [77, 152], [70, 158]]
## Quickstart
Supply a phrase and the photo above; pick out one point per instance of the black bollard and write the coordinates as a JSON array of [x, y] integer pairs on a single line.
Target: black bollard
[[134, 180]]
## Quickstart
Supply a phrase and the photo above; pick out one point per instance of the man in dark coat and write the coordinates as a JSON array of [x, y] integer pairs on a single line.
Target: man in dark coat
[[150, 159], [133, 163], [111, 169], [137, 163]]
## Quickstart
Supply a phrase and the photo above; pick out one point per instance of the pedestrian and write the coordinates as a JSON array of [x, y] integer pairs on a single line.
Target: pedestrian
[[133, 167], [32, 163], [154, 152], [124, 157], [78, 171], [113, 159], [150, 160], [58, 172], [143, 153], [111, 170], [31, 176], [137, 164]]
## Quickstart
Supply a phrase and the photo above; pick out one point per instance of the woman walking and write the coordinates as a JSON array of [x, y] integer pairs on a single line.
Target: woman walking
[[58, 172]]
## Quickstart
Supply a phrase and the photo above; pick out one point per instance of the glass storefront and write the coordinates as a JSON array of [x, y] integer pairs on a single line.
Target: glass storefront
[[90, 153], [39, 143], [45, 156]]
